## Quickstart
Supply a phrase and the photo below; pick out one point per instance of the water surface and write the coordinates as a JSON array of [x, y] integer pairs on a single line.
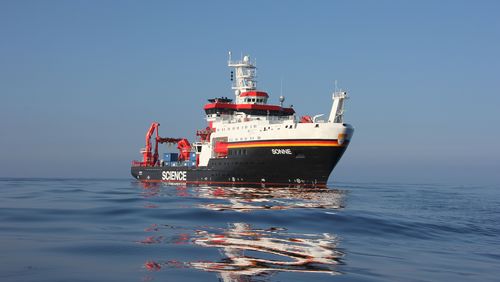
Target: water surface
[[122, 230]]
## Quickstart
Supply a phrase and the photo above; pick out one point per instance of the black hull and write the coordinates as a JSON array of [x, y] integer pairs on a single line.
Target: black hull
[[254, 166]]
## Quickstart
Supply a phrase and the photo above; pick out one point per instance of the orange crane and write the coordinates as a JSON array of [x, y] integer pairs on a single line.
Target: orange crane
[[151, 159]]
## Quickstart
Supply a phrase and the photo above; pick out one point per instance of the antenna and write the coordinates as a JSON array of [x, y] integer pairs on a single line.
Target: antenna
[[336, 89], [281, 86], [255, 64], [282, 98]]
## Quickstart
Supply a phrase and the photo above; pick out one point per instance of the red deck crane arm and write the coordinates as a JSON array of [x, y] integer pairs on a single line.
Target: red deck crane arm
[[168, 140], [184, 148], [150, 158], [147, 157], [151, 130]]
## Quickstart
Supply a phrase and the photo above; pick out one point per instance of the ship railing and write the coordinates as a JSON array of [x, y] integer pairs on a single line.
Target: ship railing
[[138, 163], [281, 118], [247, 119]]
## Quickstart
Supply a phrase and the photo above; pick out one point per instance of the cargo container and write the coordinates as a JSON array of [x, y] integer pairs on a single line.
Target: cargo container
[[170, 157], [168, 163], [192, 156]]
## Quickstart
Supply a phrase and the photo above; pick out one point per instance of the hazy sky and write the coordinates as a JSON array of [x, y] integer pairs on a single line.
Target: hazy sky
[[80, 81]]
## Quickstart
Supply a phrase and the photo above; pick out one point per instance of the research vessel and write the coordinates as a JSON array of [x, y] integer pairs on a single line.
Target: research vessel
[[248, 141]]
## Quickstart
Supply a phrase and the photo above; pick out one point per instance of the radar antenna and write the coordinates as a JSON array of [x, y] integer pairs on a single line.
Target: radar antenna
[[245, 74]]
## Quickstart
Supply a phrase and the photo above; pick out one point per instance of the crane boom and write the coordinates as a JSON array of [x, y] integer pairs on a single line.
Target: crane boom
[[150, 158]]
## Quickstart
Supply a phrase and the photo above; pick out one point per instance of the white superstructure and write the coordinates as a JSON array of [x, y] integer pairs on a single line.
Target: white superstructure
[[250, 118]]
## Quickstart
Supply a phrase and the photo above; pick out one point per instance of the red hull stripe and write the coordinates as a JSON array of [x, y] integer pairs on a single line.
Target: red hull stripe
[[286, 143], [233, 183]]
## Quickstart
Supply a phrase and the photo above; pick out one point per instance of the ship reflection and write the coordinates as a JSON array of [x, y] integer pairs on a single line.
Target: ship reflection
[[244, 199], [252, 252], [248, 252]]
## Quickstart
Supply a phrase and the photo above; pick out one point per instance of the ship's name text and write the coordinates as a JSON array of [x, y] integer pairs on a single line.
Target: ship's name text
[[281, 151], [173, 175]]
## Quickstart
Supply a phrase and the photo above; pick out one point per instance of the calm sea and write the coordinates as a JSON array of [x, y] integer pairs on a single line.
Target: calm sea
[[122, 230]]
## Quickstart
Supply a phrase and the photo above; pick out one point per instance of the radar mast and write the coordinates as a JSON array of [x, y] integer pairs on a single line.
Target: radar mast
[[245, 74]]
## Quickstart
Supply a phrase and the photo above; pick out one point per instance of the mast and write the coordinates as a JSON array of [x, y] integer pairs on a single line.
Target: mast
[[245, 74], [337, 112]]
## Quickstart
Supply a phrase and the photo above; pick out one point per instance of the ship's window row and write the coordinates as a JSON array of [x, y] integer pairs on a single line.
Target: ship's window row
[[237, 128], [243, 139], [238, 152], [258, 100]]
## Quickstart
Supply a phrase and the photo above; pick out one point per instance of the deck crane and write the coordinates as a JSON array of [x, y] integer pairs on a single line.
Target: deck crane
[[151, 159]]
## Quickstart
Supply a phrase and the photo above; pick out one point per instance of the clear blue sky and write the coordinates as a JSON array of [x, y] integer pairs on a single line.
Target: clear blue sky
[[80, 81]]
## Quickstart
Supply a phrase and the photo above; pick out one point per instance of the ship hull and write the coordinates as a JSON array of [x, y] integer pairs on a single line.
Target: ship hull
[[260, 165]]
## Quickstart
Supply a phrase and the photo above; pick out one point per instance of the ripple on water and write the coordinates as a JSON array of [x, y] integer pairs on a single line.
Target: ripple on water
[[123, 230]]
